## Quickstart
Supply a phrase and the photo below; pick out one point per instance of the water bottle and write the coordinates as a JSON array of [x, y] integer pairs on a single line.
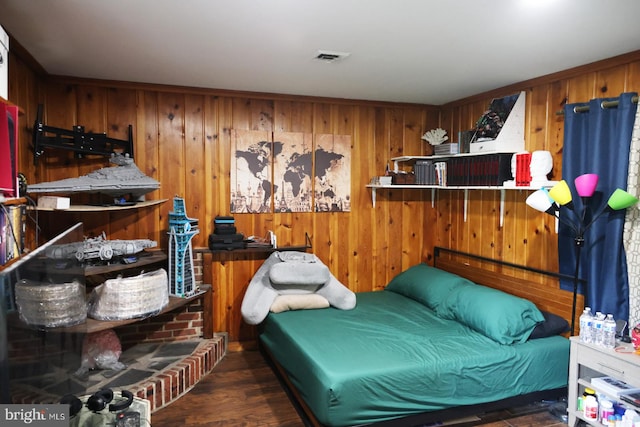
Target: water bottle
[[596, 330], [586, 319], [609, 332]]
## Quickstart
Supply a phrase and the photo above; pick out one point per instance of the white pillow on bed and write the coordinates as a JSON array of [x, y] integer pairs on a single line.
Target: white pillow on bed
[[298, 302]]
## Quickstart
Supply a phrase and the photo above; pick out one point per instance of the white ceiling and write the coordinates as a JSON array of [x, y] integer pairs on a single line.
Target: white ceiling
[[422, 51]]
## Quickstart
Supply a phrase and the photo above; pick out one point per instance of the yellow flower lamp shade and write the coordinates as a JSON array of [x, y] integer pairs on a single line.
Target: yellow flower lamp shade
[[561, 193]]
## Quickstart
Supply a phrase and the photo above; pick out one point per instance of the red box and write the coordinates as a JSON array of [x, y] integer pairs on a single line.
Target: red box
[[523, 172]]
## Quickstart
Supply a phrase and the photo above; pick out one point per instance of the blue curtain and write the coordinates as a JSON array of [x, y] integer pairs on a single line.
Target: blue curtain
[[598, 141]]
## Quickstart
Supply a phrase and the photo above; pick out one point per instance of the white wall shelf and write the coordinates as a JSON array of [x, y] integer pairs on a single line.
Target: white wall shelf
[[433, 188]]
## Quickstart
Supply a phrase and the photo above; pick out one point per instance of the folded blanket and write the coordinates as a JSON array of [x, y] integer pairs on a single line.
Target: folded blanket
[[292, 273]]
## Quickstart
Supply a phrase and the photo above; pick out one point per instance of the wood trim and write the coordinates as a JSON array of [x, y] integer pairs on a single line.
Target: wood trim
[[207, 313], [231, 93]]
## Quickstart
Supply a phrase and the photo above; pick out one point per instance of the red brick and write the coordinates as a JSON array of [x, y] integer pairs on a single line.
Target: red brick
[[188, 316], [176, 325]]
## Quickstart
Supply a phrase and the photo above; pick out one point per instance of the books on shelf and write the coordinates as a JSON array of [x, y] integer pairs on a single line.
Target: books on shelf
[[446, 149], [429, 172], [485, 170]]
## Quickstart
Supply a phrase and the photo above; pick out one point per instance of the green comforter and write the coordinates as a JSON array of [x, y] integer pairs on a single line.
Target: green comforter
[[392, 356]]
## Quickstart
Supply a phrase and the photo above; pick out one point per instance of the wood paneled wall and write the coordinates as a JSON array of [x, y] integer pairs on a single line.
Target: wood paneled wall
[[182, 138]]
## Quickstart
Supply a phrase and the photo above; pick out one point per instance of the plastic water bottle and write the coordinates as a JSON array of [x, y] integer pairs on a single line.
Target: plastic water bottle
[[586, 320], [596, 330], [609, 332]]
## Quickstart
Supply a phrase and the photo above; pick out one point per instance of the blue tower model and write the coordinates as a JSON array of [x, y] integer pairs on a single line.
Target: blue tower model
[[181, 231]]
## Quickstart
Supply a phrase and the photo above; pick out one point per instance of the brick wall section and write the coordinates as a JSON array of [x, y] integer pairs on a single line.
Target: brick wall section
[[183, 323], [180, 324], [164, 387]]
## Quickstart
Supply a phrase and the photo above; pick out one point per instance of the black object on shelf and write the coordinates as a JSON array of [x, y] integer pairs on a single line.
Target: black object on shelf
[[76, 140], [264, 249]]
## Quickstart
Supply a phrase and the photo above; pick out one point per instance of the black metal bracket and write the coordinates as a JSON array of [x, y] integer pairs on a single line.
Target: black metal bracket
[[76, 140]]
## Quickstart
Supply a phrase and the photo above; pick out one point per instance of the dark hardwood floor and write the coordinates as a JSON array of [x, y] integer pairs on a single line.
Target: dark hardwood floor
[[243, 391]]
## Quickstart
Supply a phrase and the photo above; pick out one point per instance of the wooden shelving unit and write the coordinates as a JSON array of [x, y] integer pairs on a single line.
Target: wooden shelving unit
[[145, 258], [92, 325], [263, 249]]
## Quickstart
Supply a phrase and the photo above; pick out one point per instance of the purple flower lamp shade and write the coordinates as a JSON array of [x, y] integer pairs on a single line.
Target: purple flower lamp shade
[[586, 184]]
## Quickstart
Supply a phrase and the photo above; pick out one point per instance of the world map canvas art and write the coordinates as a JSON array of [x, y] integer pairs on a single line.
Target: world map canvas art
[[332, 173], [290, 172], [251, 172]]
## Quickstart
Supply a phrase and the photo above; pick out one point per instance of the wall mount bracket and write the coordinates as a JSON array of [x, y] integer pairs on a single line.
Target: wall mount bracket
[[76, 140]]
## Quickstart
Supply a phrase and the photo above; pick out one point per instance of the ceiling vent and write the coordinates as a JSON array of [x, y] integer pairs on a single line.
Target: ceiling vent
[[327, 56]]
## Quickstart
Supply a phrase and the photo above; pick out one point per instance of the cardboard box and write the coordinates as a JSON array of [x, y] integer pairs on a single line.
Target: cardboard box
[[53, 202]]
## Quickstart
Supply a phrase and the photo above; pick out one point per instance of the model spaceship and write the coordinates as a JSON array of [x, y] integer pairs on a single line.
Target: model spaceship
[[99, 248], [123, 179]]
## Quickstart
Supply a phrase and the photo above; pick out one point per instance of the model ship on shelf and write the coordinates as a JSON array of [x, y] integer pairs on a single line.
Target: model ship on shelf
[[123, 179], [99, 249]]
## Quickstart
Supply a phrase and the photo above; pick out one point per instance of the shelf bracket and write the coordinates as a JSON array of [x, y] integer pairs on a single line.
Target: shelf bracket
[[466, 202], [433, 198], [502, 195], [373, 196]]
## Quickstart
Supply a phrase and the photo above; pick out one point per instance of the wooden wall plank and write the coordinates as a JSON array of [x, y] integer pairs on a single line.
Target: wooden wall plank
[[183, 139]]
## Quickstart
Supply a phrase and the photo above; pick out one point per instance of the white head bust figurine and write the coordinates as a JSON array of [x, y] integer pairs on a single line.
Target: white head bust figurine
[[541, 165]]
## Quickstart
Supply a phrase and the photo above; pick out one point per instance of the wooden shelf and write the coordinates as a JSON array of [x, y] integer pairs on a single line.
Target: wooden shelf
[[262, 250], [14, 201], [92, 325], [144, 259], [97, 208]]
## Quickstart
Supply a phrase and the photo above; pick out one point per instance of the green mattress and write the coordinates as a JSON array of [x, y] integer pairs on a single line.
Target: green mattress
[[392, 356]]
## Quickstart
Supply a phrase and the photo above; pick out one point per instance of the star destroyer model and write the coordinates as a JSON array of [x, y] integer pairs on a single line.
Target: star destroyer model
[[123, 179]]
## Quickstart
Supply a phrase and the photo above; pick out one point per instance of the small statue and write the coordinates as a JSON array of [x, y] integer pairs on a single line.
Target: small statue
[[541, 165], [435, 136]]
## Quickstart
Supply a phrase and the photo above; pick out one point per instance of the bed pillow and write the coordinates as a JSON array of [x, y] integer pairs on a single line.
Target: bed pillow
[[298, 302], [427, 285], [502, 317], [552, 325]]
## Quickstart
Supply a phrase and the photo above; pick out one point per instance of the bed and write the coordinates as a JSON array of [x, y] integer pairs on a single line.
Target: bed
[[433, 345]]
